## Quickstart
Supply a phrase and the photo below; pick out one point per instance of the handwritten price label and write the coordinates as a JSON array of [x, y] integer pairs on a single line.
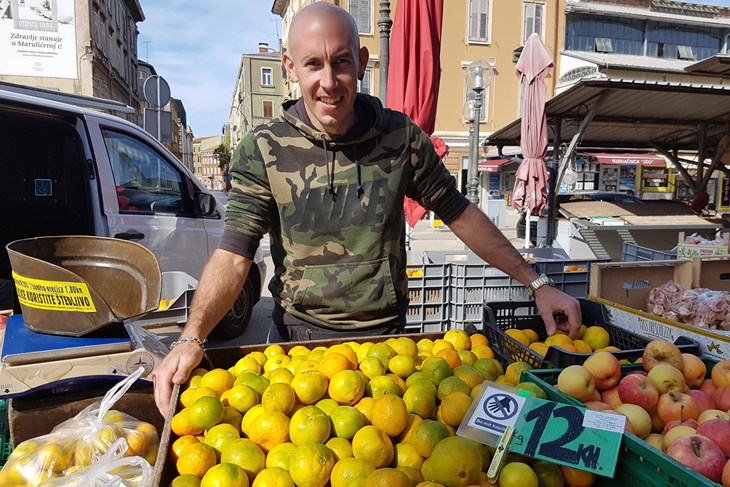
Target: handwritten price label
[[569, 435]]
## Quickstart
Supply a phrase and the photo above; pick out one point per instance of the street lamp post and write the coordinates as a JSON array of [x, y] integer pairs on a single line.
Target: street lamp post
[[479, 75], [384, 23]]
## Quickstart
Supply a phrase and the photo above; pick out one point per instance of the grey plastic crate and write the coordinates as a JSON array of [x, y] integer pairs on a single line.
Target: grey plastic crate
[[631, 252], [570, 276], [177, 289]]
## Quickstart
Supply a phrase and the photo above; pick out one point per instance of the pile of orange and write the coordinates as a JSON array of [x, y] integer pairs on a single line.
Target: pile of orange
[[352, 414], [589, 339]]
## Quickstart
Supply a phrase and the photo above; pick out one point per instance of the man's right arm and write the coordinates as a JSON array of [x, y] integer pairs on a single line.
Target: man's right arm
[[220, 284]]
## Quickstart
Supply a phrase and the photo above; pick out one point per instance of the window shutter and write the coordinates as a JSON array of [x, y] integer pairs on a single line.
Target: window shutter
[[529, 23], [365, 22], [474, 19], [364, 84]]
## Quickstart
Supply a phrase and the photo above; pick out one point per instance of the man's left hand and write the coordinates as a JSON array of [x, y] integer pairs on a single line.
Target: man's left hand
[[551, 301]]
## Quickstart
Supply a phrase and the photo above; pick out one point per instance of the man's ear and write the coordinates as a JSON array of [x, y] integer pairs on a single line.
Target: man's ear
[[289, 65], [363, 57]]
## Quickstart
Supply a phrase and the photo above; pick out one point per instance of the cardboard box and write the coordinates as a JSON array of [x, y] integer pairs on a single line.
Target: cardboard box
[[688, 251], [711, 272], [623, 287]]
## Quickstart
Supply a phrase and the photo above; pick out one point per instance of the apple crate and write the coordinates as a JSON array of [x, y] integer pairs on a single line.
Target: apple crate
[[639, 464], [5, 444], [501, 316]]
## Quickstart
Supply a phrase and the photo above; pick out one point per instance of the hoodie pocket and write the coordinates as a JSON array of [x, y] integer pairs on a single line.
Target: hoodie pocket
[[361, 291]]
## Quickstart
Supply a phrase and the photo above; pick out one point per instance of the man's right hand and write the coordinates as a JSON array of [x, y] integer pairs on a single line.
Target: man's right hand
[[174, 369]]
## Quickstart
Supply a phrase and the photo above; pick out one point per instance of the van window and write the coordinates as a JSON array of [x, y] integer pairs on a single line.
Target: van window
[[145, 181]]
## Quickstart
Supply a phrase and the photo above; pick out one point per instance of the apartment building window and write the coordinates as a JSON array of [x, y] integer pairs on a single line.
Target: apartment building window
[[268, 108], [267, 77], [479, 20], [361, 12], [533, 20], [603, 44], [685, 52], [363, 85]]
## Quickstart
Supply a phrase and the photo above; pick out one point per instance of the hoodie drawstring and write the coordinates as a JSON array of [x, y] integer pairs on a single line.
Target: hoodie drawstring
[[331, 172]]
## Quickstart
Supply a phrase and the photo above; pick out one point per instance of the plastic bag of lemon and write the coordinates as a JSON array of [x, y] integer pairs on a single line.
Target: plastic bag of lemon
[[381, 413]]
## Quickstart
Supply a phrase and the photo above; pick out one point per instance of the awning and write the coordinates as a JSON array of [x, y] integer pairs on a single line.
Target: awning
[[491, 165], [627, 158]]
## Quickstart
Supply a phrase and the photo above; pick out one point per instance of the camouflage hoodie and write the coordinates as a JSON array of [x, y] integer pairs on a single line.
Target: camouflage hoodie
[[334, 212]]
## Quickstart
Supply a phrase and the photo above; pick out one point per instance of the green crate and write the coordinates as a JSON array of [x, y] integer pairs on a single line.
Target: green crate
[[639, 464], [5, 445]]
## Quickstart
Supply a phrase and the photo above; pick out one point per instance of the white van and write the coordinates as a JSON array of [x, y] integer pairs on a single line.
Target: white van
[[66, 170]]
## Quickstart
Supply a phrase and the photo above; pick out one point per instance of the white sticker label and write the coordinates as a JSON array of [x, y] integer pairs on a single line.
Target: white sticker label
[[604, 421], [497, 409]]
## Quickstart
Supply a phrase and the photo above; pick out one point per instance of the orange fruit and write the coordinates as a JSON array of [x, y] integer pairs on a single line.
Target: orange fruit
[[246, 454], [365, 406], [420, 381], [242, 398], [327, 405], [273, 477], [196, 459], [454, 461], [381, 385], [557, 339], [372, 367], [224, 475], [424, 345], [399, 383], [179, 445], [373, 445], [413, 474], [466, 357], [458, 338], [341, 448], [451, 356], [387, 477], [402, 365], [477, 339], [269, 429], [407, 456], [404, 346], [568, 347], [427, 435], [181, 426], [406, 436], [575, 477], [220, 436], [278, 397], [420, 401], [275, 362], [282, 375], [310, 386], [514, 370], [518, 474], [186, 480], [346, 421], [469, 375], [279, 455], [582, 346], [350, 472], [246, 364], [309, 424], [390, 414], [382, 351], [206, 412], [441, 344], [311, 464], [454, 407], [298, 350], [274, 349], [539, 348], [346, 387], [548, 474], [518, 335], [482, 351], [343, 349], [250, 415], [257, 382], [333, 363], [451, 384], [597, 337], [217, 379], [435, 369]]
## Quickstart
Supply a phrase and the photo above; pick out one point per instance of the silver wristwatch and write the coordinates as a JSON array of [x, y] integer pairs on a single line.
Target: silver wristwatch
[[541, 281]]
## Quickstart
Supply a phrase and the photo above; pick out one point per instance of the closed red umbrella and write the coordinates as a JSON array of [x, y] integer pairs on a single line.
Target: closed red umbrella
[[414, 71], [530, 191]]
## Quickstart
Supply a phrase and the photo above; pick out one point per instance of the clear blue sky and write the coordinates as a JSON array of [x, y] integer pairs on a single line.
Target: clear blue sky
[[197, 46]]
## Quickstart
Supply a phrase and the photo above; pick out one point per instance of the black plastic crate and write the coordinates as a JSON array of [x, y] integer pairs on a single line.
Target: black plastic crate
[[501, 316]]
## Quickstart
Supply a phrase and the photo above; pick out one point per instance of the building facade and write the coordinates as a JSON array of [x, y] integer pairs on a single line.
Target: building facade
[[206, 162], [258, 93]]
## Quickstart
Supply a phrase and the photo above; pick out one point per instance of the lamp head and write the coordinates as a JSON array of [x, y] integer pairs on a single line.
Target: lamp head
[[479, 74]]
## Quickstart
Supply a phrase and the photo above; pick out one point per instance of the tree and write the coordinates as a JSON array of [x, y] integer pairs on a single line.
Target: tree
[[224, 157]]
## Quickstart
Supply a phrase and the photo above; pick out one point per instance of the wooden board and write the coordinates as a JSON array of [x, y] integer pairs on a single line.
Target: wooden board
[[680, 220], [589, 209]]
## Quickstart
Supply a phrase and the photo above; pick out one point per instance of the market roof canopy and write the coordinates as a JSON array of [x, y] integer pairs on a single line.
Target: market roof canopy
[[491, 165], [634, 114]]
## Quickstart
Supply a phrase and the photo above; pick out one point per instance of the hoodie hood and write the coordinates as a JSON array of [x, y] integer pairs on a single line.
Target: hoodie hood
[[368, 110]]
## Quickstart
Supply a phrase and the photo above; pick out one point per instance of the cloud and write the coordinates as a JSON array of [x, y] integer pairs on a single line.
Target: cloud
[[197, 48]]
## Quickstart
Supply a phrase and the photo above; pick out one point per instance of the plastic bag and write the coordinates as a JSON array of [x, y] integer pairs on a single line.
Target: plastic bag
[[81, 441]]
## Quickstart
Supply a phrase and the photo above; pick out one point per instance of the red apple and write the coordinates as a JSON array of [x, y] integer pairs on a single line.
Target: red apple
[[694, 370], [726, 475], [718, 430], [640, 372], [638, 389], [703, 401], [660, 351], [676, 405], [675, 433], [638, 417], [577, 382], [721, 396], [657, 425], [700, 454], [605, 369], [721, 373], [597, 406], [687, 422], [707, 387], [712, 414], [612, 398], [667, 378]]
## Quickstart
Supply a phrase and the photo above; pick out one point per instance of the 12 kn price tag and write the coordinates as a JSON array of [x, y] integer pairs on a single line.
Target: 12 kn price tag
[[569, 435]]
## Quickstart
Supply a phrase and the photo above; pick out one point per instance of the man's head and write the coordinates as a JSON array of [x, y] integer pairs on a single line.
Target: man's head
[[326, 59]]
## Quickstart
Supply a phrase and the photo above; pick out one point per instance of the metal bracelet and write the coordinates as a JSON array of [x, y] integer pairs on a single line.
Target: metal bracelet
[[188, 340]]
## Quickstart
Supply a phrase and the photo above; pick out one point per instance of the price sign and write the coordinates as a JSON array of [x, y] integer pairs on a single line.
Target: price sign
[[565, 434], [569, 435]]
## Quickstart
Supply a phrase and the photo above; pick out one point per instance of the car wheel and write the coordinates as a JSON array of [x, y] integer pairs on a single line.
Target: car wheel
[[236, 320]]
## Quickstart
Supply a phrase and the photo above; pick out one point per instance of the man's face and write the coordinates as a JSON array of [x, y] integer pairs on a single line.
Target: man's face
[[327, 67]]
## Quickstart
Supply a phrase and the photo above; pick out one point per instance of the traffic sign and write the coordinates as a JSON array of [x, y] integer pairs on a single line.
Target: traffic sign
[[156, 91]]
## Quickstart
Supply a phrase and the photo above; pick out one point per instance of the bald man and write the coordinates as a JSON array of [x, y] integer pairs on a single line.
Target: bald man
[[326, 180]]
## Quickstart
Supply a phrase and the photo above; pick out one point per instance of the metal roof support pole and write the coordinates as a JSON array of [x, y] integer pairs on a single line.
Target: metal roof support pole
[[714, 165], [572, 146], [701, 152], [552, 169], [678, 165]]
